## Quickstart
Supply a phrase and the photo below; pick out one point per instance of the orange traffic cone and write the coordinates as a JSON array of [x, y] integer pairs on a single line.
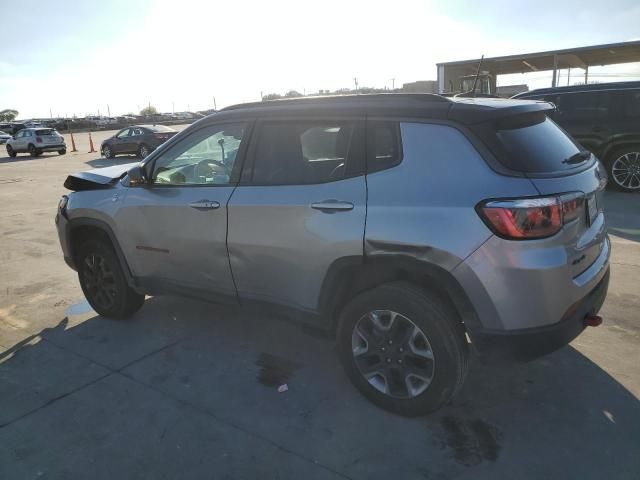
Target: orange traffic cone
[[92, 150], [73, 144]]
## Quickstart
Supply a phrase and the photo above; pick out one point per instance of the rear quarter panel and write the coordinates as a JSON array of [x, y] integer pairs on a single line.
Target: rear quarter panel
[[425, 206]]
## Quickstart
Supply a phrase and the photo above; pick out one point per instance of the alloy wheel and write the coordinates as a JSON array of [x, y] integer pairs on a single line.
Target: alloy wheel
[[106, 152], [144, 151], [625, 170], [99, 280], [393, 354]]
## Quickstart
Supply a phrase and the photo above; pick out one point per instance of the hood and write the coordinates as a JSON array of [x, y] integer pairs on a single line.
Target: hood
[[98, 177]]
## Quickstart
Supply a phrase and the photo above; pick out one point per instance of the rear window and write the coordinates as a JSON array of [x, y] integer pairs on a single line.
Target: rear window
[[160, 129], [46, 131], [530, 143]]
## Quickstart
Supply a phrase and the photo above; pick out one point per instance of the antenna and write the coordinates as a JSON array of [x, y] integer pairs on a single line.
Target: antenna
[[475, 81]]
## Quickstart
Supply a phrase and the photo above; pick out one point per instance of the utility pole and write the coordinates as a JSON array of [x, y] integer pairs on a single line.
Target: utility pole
[[215, 107], [108, 111], [173, 108], [50, 114], [355, 81], [393, 84]]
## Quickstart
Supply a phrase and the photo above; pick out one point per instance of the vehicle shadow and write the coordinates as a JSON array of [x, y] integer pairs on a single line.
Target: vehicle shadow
[[108, 162], [23, 157], [179, 371], [622, 211]]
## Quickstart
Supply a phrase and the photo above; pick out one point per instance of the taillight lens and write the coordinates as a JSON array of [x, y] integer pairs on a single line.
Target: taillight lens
[[531, 218]]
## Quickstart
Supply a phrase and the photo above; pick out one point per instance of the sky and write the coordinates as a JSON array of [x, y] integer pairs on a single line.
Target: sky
[[84, 57]]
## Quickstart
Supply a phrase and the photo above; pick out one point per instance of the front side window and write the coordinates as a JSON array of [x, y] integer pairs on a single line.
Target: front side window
[[290, 153], [583, 106], [206, 157], [124, 133]]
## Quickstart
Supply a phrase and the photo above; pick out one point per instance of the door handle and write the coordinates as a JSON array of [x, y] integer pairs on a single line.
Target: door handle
[[332, 206], [205, 205]]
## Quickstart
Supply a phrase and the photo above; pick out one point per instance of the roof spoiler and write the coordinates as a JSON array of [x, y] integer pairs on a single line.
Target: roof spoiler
[[469, 113]]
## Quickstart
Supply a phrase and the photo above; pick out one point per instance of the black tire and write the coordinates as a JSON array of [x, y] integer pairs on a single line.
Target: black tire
[[143, 151], [11, 152], [626, 157], [445, 336], [107, 152], [62, 151], [33, 151], [103, 281]]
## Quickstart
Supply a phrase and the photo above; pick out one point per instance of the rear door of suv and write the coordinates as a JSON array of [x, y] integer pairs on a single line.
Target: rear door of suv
[[299, 207]]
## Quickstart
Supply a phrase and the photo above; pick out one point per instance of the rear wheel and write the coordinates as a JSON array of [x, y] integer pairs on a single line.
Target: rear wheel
[[33, 151], [624, 169], [103, 281], [143, 151], [62, 151], [11, 152], [403, 348]]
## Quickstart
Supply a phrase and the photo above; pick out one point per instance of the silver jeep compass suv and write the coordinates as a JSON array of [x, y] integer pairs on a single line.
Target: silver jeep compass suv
[[413, 227]]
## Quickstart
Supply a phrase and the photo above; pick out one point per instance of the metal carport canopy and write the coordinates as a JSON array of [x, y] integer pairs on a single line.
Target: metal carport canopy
[[581, 57]]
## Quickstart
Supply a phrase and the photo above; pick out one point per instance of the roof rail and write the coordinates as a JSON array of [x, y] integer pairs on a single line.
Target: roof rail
[[337, 99]]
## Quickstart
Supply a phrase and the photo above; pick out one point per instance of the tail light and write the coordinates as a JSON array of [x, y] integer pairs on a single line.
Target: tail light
[[38, 139], [531, 218]]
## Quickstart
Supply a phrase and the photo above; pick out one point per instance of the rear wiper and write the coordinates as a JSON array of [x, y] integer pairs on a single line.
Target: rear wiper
[[578, 157]]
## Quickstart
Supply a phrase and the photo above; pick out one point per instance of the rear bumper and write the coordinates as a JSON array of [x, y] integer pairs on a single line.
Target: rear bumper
[[52, 148], [527, 344]]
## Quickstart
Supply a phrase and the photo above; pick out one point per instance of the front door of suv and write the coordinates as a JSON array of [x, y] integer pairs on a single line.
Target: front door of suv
[[174, 230], [586, 116], [299, 207]]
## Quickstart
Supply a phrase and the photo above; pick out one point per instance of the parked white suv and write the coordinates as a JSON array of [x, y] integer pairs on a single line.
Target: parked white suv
[[35, 141]]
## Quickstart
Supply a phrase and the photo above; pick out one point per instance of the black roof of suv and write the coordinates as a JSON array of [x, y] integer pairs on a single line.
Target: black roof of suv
[[463, 110], [578, 88]]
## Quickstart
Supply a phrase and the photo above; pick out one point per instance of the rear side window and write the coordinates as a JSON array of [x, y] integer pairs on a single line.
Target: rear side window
[[383, 146], [290, 153], [533, 144], [627, 103], [45, 131]]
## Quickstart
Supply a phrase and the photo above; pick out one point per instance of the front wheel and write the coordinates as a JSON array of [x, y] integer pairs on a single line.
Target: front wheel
[[624, 169], [62, 151], [107, 152], [403, 348], [11, 152], [103, 282]]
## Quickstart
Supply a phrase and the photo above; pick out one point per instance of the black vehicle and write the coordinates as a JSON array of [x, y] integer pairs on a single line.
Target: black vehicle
[[136, 139], [605, 119]]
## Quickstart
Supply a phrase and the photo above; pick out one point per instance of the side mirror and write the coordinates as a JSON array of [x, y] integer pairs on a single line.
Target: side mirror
[[137, 177]]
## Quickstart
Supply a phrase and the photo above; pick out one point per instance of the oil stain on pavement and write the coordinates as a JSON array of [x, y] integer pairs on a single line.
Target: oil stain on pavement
[[472, 441], [274, 370]]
